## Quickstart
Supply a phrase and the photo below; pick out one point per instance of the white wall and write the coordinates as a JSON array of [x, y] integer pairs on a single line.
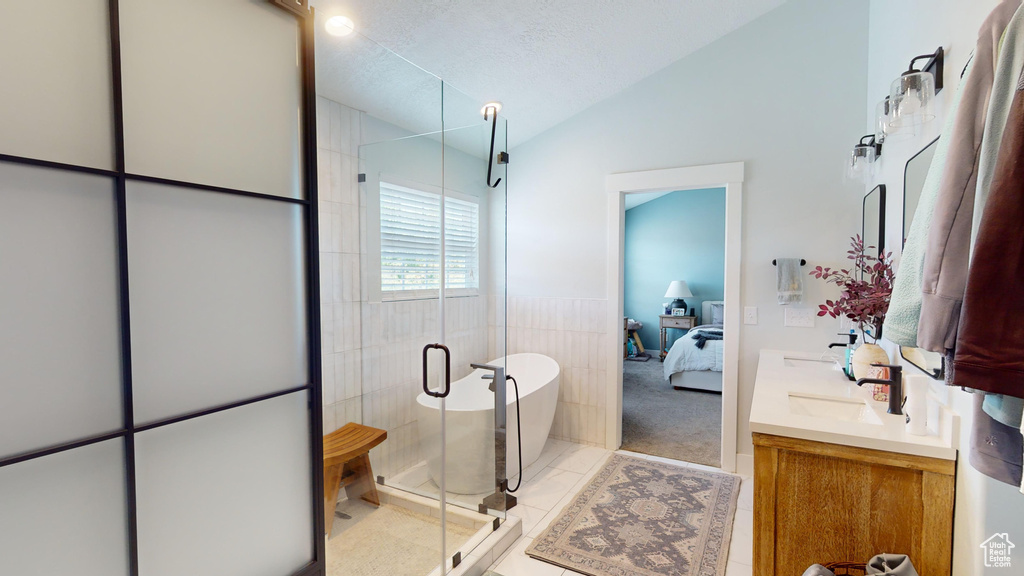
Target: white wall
[[785, 94], [983, 506]]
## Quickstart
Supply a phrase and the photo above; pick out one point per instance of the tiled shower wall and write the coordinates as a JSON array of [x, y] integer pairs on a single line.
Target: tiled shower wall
[[372, 369], [340, 309], [571, 332]]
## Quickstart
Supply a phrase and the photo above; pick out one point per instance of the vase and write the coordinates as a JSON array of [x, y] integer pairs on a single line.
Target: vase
[[864, 357]]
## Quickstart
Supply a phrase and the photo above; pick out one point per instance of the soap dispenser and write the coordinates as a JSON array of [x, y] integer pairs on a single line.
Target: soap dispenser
[[848, 366]]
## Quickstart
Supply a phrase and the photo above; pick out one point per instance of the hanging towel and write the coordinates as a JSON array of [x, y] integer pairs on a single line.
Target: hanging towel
[[905, 304], [789, 280], [1011, 60]]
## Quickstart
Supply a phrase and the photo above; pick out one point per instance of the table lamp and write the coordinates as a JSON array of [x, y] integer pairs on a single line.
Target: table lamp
[[678, 290]]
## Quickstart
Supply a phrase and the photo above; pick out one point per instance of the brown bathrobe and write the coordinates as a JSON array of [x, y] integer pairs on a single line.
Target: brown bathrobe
[[949, 238], [990, 345]]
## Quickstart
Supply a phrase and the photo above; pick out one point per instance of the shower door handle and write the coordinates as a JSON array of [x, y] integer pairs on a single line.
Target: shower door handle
[[447, 371]]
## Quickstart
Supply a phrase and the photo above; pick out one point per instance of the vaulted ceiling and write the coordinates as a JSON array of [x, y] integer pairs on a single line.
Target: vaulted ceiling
[[545, 60]]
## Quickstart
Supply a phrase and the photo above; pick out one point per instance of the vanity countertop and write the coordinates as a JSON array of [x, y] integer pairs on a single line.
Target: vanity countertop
[[798, 395]]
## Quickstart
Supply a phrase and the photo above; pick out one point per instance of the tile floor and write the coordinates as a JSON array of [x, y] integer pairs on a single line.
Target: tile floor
[[560, 473]]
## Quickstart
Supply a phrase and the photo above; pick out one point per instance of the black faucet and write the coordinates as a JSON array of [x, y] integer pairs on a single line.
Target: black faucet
[[851, 335], [895, 387]]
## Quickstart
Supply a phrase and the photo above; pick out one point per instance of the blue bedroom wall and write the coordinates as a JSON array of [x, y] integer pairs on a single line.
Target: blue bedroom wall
[[679, 236]]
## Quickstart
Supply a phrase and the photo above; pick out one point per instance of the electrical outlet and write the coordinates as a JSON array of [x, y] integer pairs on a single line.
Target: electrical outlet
[[799, 317], [750, 315]]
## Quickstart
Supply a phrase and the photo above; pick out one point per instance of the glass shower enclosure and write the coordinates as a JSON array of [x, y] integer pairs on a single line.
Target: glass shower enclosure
[[419, 295]]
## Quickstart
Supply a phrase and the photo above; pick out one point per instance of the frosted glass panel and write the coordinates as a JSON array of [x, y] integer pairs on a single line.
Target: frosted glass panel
[[227, 494], [217, 296], [212, 93], [65, 514], [55, 96], [60, 374]]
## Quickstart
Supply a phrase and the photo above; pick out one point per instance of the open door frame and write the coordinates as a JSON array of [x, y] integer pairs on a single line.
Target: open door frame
[[730, 176]]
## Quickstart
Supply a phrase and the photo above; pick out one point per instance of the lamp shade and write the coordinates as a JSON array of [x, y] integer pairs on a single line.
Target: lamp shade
[[861, 167], [678, 289], [912, 96]]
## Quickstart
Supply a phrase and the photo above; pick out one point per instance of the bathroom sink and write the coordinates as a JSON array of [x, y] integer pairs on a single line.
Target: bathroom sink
[[833, 408]]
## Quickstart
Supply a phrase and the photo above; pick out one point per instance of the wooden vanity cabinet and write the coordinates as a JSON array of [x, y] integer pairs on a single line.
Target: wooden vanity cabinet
[[816, 502]]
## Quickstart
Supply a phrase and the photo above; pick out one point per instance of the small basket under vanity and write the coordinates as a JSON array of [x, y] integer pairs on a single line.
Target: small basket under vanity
[[846, 482]]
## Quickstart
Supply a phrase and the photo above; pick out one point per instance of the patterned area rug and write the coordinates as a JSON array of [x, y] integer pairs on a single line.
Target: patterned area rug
[[642, 518]]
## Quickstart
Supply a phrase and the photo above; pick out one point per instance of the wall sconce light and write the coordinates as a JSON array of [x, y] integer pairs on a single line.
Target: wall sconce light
[[912, 94], [861, 165]]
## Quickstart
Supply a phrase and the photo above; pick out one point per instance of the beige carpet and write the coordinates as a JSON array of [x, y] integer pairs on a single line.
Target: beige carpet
[[392, 540], [660, 420], [643, 518]]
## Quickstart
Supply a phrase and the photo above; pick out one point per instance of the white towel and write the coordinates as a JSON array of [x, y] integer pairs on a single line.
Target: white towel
[[789, 280]]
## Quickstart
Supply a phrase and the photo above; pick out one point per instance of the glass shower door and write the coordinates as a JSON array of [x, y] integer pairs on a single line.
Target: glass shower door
[[386, 151], [418, 293], [474, 294]]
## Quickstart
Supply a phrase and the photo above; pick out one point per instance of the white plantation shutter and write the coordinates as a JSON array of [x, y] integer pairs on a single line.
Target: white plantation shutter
[[410, 240], [461, 234]]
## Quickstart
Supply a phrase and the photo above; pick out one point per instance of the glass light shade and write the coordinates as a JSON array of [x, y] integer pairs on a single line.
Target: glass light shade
[[861, 165], [885, 126], [882, 125], [911, 97]]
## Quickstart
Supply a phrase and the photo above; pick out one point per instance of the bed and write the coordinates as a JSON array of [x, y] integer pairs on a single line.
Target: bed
[[689, 367]]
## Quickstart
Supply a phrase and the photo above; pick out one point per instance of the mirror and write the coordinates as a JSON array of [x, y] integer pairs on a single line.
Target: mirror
[[913, 183], [914, 175], [872, 228]]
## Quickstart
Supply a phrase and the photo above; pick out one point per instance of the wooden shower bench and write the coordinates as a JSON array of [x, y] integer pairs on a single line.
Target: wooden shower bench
[[347, 463]]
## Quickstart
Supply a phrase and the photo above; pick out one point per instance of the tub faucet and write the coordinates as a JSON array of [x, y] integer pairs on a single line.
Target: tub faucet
[[495, 371], [895, 387]]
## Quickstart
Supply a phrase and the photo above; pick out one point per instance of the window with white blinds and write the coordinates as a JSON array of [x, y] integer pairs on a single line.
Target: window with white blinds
[[461, 239], [410, 241]]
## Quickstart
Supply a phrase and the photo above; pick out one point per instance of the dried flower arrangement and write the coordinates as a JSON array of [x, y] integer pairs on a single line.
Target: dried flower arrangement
[[866, 289]]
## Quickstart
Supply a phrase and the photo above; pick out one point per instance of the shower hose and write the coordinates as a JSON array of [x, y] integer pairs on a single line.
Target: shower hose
[[519, 435]]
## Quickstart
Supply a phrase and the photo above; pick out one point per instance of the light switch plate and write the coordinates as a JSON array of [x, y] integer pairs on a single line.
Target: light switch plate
[[799, 317], [750, 315]]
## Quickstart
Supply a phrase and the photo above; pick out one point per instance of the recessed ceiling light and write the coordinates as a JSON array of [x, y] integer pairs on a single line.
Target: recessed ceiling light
[[495, 105], [339, 26]]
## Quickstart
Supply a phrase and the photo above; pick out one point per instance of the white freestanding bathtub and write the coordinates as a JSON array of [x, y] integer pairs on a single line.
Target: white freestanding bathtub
[[469, 417]]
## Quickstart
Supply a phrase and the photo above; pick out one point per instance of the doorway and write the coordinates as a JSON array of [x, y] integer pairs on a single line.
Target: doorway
[[730, 176], [673, 294]]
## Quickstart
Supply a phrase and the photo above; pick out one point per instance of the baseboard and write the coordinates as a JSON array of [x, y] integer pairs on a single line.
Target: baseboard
[[745, 464]]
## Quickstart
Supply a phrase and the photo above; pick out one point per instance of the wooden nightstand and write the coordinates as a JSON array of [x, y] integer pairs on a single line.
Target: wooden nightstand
[[666, 321]]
